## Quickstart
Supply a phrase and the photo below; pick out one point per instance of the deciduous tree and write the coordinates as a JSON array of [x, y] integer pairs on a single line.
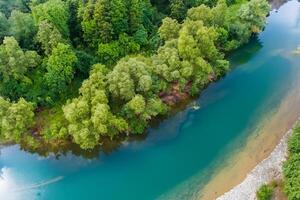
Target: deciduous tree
[[60, 68]]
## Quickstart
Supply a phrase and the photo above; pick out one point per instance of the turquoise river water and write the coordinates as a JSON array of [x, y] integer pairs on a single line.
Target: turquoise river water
[[177, 157]]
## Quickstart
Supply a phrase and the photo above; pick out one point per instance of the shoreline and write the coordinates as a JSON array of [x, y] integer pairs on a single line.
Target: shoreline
[[258, 146], [266, 171]]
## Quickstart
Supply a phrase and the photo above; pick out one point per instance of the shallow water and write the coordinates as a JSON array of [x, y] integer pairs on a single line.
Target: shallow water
[[178, 157]]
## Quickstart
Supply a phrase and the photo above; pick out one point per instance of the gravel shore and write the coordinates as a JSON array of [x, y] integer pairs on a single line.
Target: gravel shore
[[266, 171]]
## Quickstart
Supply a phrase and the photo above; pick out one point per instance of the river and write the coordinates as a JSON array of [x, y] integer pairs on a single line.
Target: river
[[187, 152]]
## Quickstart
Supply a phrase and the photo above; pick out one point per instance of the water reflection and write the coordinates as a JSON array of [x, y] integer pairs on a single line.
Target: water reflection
[[58, 150], [246, 52], [276, 4], [8, 185]]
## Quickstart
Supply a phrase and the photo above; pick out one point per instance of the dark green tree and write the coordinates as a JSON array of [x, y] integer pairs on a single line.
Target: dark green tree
[[60, 68], [55, 12], [22, 27]]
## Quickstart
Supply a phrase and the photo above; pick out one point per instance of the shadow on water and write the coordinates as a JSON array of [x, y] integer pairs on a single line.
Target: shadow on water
[[245, 53], [276, 4], [65, 148]]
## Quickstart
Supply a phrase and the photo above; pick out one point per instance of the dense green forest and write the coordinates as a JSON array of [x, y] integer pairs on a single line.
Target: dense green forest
[[85, 70]]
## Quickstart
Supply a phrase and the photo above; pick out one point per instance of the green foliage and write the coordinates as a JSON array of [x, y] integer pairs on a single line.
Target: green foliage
[[138, 111], [119, 16], [265, 192], [291, 168], [74, 23], [96, 22], [129, 76], [167, 64], [294, 141], [15, 118], [105, 22], [15, 67], [55, 12], [137, 104], [60, 68], [135, 15], [245, 20], [4, 26], [85, 61], [7, 6], [110, 53], [209, 16], [48, 36], [22, 27], [89, 115], [169, 29], [196, 40], [143, 61], [178, 9], [253, 14]]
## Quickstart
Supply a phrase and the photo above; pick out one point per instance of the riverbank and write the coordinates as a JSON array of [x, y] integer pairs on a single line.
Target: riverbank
[[257, 148], [266, 171]]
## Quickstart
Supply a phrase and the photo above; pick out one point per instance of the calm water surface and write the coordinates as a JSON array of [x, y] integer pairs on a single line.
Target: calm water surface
[[181, 153]]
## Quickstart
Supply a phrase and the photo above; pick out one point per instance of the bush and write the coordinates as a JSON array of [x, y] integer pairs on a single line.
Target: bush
[[291, 168], [265, 192]]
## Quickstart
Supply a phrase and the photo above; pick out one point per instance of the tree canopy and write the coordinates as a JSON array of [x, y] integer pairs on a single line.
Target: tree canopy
[[102, 69], [15, 118]]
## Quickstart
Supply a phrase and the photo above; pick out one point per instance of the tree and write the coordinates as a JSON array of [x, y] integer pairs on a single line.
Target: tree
[[110, 53], [4, 105], [96, 22], [17, 119], [85, 62], [254, 14], [137, 104], [135, 15], [169, 29], [60, 68], [219, 13], [265, 192], [103, 20], [249, 19], [55, 12], [138, 111], [209, 16], [48, 36], [291, 168], [89, 115], [178, 9], [7, 6], [22, 27], [167, 64], [128, 77], [15, 65], [4, 26], [119, 18], [76, 33], [196, 40]]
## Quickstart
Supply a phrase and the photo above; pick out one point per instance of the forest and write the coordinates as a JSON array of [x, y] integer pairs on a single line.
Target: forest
[[85, 71]]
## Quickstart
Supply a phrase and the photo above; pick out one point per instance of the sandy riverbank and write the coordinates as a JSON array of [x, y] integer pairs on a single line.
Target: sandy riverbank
[[266, 171], [259, 146]]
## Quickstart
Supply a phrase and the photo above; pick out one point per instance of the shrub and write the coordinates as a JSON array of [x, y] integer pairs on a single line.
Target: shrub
[[265, 192]]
